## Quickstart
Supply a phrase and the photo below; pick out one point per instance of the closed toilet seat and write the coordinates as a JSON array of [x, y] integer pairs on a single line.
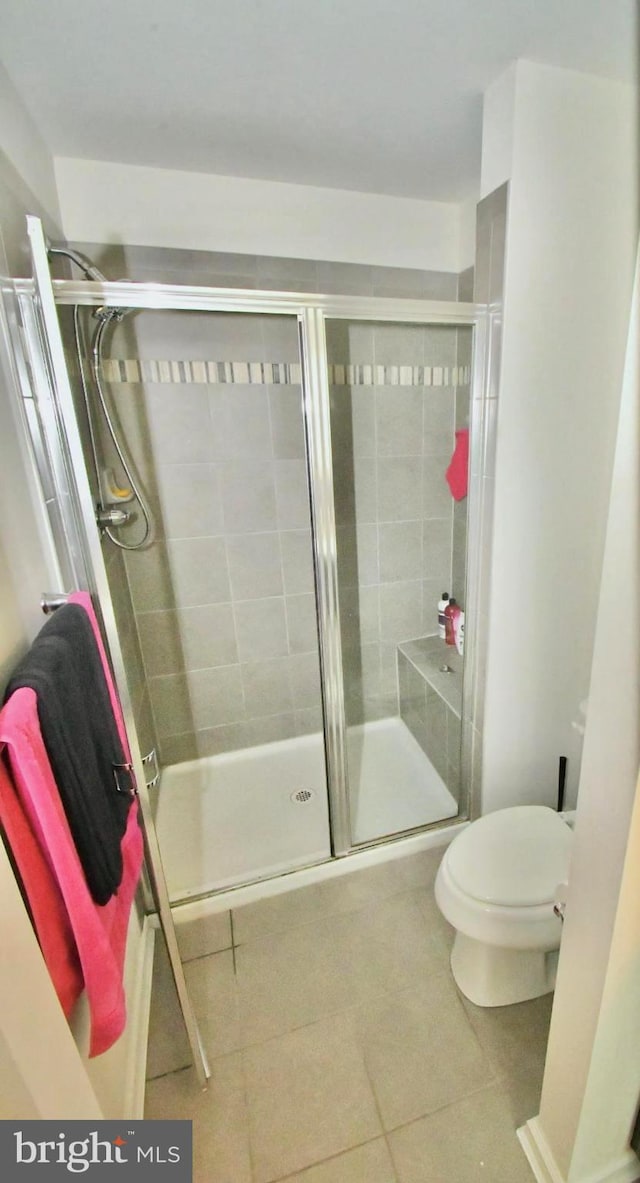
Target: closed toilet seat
[[497, 880], [515, 856]]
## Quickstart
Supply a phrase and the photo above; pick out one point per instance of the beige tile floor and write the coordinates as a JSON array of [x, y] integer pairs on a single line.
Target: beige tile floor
[[341, 1050]]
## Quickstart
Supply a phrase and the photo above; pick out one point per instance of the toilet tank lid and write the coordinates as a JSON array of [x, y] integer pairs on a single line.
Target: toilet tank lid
[[514, 856]]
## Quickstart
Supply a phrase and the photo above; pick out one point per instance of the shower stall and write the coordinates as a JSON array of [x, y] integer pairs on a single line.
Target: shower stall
[[277, 613]]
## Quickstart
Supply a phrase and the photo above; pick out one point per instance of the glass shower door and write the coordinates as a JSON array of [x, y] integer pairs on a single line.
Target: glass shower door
[[223, 600], [397, 394]]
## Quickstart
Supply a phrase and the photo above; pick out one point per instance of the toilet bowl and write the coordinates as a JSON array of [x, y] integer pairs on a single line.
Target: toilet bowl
[[496, 886]]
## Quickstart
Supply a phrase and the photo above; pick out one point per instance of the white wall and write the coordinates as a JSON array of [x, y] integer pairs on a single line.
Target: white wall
[[25, 148], [498, 116], [11, 628], [467, 233], [106, 202], [571, 239], [41, 1071], [592, 1078], [24, 567]]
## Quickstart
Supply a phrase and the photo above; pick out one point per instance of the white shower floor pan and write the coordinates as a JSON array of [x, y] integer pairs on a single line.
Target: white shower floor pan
[[230, 819]]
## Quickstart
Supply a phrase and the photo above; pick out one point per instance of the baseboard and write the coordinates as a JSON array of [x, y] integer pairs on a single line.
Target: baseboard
[[539, 1156], [546, 1170], [139, 1007]]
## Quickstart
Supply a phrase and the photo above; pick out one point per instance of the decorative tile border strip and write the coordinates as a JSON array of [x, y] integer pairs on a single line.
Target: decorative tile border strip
[[398, 375], [266, 373], [212, 373]]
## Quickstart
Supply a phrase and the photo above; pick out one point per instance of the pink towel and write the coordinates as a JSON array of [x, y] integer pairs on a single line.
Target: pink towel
[[457, 474], [82, 943], [46, 904]]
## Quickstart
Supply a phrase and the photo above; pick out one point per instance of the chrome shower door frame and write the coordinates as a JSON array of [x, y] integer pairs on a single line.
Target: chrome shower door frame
[[312, 311]]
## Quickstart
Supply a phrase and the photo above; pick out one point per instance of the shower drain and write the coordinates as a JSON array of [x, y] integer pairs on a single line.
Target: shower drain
[[301, 796]]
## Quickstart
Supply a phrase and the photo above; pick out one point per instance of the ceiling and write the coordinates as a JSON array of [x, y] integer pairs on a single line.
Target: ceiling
[[381, 96]]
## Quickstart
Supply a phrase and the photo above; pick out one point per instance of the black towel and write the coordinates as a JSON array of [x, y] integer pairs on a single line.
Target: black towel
[[80, 735]]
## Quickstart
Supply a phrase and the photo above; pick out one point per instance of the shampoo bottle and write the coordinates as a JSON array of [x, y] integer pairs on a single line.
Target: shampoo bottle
[[442, 603], [450, 613]]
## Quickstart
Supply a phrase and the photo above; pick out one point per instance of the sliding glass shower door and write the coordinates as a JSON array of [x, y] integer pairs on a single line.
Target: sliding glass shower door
[[217, 608], [398, 392], [295, 450]]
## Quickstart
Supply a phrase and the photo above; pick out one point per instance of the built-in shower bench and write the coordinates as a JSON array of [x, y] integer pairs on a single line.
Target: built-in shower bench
[[430, 700], [428, 655]]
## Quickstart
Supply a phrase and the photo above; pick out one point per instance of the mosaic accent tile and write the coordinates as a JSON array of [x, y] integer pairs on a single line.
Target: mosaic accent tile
[[266, 373], [212, 373]]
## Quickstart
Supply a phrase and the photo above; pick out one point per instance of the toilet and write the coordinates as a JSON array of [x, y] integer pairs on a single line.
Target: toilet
[[496, 886]]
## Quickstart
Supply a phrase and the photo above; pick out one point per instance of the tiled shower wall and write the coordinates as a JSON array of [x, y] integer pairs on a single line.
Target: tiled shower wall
[[224, 646], [223, 599], [400, 542]]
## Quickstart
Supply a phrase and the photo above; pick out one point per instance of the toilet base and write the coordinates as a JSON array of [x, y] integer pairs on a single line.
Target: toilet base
[[492, 976]]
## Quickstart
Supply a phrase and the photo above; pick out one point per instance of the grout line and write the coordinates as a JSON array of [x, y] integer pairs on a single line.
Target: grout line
[[170, 1072], [233, 943], [391, 1156], [483, 1088], [201, 956], [332, 1158], [349, 1010], [372, 1086]]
